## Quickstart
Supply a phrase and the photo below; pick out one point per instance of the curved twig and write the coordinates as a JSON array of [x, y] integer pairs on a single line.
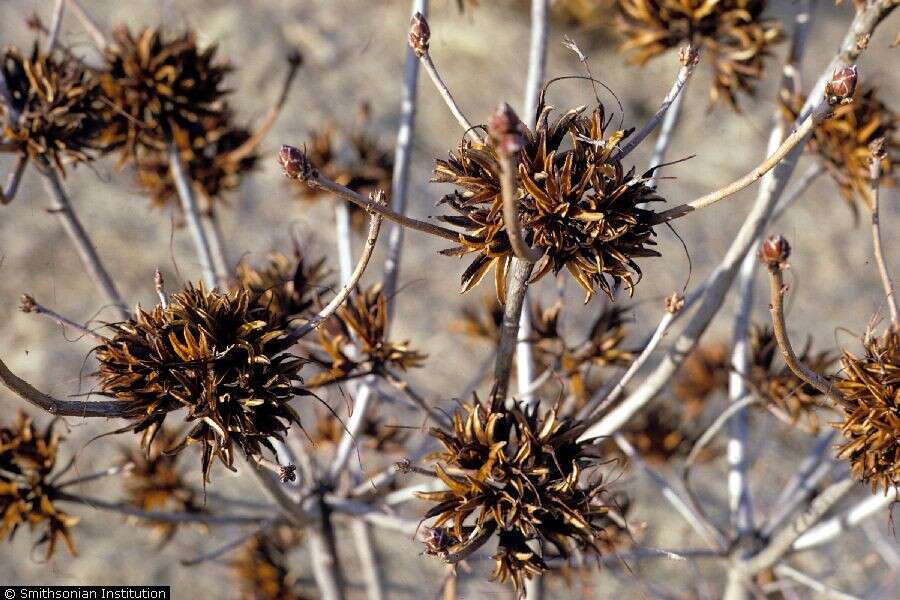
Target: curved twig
[[508, 188]]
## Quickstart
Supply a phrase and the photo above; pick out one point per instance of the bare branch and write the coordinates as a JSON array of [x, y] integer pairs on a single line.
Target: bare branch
[[878, 154], [62, 208], [689, 58], [350, 284], [90, 25], [191, 212], [55, 25], [30, 306], [830, 529], [14, 178]]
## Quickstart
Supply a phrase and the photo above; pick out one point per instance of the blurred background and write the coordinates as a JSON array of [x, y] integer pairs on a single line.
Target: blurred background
[[354, 51]]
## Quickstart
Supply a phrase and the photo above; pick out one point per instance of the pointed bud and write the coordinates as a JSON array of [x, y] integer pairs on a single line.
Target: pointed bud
[[774, 252], [505, 129], [419, 34], [842, 85], [28, 304], [295, 164]]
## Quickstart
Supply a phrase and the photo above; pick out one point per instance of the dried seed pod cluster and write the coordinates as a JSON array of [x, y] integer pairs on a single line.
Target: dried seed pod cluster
[[158, 85], [55, 107], [261, 569], [580, 207], [354, 343], [156, 482], [27, 464], [841, 143], [519, 479], [287, 288], [704, 372], [733, 35], [871, 424], [221, 356]]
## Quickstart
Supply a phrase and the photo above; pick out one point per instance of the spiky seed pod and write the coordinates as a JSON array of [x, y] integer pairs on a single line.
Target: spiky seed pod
[[841, 143], [156, 85], [871, 424], [58, 103], [733, 36], [262, 571], [205, 149], [156, 482], [27, 461], [587, 14], [519, 479], [354, 160], [704, 372], [219, 355], [579, 206], [778, 385], [354, 341], [375, 433], [480, 323], [285, 287]]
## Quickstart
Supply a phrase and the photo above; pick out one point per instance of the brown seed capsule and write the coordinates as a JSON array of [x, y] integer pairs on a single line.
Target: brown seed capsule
[[842, 85], [419, 34], [505, 129], [28, 304], [295, 164], [775, 252]]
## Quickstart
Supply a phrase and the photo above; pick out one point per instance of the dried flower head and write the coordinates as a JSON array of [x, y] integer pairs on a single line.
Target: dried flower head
[[354, 160], [841, 143], [286, 287], [780, 388], [156, 85], [262, 570], [578, 206], [519, 477], [156, 482], [704, 372], [206, 149], [871, 425], [732, 34], [221, 356], [55, 106], [354, 343], [664, 434], [27, 461]]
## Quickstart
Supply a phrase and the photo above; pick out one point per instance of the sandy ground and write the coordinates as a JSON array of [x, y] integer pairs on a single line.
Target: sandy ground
[[354, 51]]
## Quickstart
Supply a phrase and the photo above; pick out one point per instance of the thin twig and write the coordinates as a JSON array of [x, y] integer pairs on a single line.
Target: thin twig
[[783, 540], [409, 100], [444, 91], [704, 440], [738, 391], [213, 228], [776, 307], [436, 415], [192, 216], [94, 30], [31, 306], [13, 179], [666, 133], [55, 25], [363, 202], [509, 190], [689, 58], [706, 530], [802, 484], [797, 138], [62, 208], [361, 533], [537, 60], [877, 148], [352, 432], [350, 284], [830, 529], [154, 516], [108, 472], [822, 590], [509, 331], [227, 547]]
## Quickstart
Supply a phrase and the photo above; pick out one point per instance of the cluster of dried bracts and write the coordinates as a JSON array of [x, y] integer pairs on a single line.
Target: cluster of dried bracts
[[233, 367]]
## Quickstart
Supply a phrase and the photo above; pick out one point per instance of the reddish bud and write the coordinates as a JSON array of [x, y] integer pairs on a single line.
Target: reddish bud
[[842, 85], [774, 252], [28, 304], [419, 34], [505, 130], [295, 164]]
